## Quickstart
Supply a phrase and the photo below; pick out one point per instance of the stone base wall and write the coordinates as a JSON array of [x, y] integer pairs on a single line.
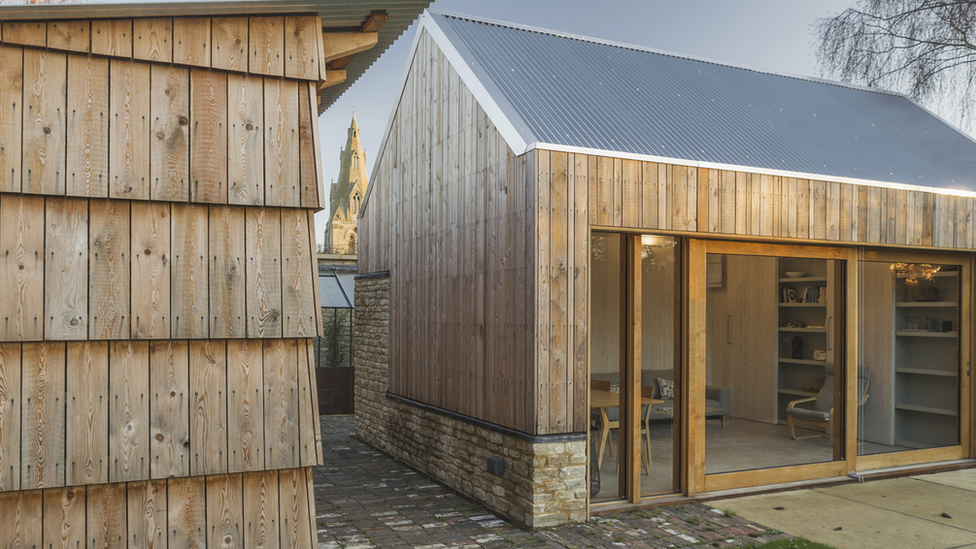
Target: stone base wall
[[544, 483]]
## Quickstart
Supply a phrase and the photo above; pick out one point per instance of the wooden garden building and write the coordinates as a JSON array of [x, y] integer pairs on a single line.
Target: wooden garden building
[[594, 274], [159, 172]]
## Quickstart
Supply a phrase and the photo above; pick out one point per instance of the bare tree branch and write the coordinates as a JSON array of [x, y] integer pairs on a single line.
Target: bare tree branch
[[923, 48]]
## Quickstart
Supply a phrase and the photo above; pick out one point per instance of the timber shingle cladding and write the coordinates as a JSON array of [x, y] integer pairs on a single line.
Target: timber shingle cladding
[[158, 179]]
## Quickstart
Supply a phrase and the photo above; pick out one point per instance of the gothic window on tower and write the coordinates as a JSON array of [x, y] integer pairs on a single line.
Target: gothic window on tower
[[355, 202]]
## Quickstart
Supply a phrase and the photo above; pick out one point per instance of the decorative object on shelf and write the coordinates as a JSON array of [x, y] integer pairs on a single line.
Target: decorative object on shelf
[[797, 347], [931, 324], [819, 354], [924, 292], [946, 325], [795, 274]]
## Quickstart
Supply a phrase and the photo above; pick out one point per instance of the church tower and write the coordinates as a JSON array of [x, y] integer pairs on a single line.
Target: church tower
[[346, 195]]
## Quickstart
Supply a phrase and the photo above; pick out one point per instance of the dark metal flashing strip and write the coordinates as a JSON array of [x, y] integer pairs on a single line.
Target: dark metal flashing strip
[[534, 439], [377, 274]]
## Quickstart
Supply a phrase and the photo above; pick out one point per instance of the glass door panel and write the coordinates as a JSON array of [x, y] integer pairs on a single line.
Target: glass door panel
[[774, 362], [607, 366], [909, 351]]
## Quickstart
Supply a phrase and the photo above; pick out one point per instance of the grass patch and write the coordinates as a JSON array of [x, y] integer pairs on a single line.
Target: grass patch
[[728, 513]]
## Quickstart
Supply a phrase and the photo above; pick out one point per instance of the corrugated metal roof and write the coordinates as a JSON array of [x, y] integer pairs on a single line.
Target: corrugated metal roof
[[581, 92], [337, 16], [331, 293]]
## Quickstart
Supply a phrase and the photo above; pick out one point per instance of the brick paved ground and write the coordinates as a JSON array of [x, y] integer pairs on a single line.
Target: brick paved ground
[[365, 499]]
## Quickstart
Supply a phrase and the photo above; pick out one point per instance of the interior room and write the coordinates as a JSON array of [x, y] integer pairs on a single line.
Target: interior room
[[775, 356]]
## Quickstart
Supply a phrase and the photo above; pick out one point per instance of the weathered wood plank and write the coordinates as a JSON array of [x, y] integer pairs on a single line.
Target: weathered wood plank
[[88, 120], [299, 309], [281, 429], [42, 416], [266, 46], [130, 130], [45, 122], [263, 244], [147, 513], [310, 347], [169, 150], [282, 184], [245, 406], [261, 509], [169, 429], [579, 279], [23, 519], [316, 143], [152, 39], [227, 261], [112, 37], [66, 269], [108, 269], [308, 154], [208, 414], [208, 136], [604, 201], [10, 388], [186, 507], [558, 275], [128, 411], [64, 517], [225, 508], [631, 180], [107, 514], [295, 523], [191, 41], [649, 183], [87, 413], [22, 267], [69, 35], [245, 144], [302, 39], [27, 33], [11, 117], [229, 43], [150, 270], [307, 406], [190, 307]]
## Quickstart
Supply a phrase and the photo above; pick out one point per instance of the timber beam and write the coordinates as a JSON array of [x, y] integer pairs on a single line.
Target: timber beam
[[342, 44]]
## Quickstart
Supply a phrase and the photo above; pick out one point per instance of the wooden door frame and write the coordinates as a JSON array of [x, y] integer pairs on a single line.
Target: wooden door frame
[[694, 368], [967, 446]]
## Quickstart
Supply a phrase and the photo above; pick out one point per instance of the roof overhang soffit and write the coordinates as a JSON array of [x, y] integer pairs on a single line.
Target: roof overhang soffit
[[339, 49]]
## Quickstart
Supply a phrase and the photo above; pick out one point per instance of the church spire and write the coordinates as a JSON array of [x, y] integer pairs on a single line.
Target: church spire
[[347, 193]]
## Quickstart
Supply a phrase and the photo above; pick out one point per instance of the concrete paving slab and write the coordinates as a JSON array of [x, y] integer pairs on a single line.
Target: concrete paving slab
[[845, 523], [918, 498], [965, 479]]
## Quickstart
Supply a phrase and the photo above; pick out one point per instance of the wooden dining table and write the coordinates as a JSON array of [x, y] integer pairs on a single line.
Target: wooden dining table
[[603, 400]]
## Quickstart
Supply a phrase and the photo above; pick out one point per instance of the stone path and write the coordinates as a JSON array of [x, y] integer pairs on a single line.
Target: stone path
[[365, 499]]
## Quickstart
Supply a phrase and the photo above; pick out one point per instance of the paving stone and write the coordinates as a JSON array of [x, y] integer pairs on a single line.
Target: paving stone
[[366, 499]]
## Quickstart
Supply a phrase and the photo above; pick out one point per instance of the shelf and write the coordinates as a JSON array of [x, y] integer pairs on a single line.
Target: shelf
[[803, 361], [927, 304], [926, 409], [909, 333], [805, 279], [926, 372], [796, 392], [806, 330], [802, 304]]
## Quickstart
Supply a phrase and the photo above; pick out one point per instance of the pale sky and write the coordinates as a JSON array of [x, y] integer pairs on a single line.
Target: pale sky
[[771, 35]]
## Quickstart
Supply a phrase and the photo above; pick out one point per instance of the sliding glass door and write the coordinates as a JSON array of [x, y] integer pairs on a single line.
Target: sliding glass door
[[634, 378]]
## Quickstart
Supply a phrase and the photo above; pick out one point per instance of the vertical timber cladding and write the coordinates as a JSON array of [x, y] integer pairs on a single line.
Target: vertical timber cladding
[[159, 286], [453, 222]]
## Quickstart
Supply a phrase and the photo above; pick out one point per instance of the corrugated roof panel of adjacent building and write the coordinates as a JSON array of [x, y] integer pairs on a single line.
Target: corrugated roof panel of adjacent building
[[558, 90], [337, 16]]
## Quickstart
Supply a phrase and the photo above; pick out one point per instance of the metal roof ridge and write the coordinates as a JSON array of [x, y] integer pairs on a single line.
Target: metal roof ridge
[[656, 51]]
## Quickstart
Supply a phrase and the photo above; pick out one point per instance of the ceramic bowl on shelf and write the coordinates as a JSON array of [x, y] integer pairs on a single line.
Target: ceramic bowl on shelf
[[795, 274]]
